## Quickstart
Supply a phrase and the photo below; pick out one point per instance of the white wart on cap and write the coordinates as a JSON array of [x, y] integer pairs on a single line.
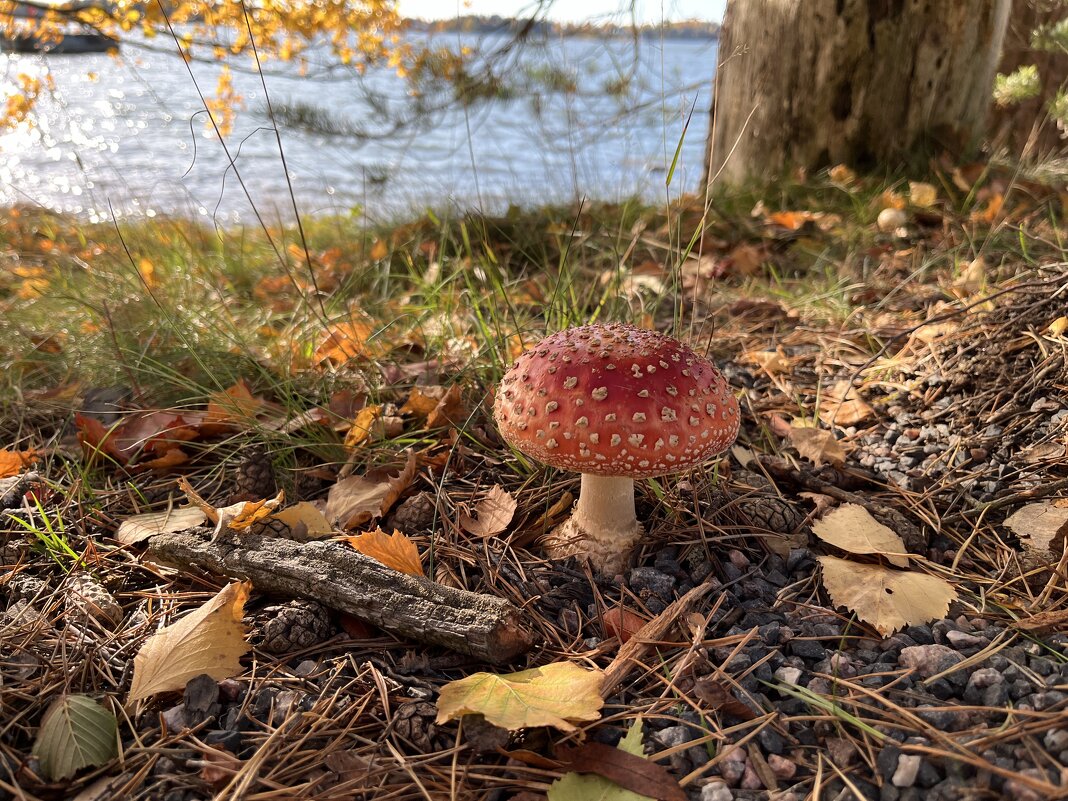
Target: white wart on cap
[[616, 400]]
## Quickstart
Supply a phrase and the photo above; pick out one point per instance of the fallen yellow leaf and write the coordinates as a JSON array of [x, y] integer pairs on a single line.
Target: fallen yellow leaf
[[305, 521], [852, 528], [393, 550], [208, 640], [817, 445], [1057, 327], [360, 432], [922, 194], [888, 599], [842, 406], [552, 695]]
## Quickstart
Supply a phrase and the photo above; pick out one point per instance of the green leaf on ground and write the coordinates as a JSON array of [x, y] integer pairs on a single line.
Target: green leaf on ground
[[76, 733], [591, 787]]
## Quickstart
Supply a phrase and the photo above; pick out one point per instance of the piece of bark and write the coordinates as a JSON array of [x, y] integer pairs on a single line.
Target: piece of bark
[[631, 653], [340, 577]]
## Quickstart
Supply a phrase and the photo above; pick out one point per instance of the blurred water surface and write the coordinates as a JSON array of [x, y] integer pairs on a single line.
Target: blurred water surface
[[128, 135]]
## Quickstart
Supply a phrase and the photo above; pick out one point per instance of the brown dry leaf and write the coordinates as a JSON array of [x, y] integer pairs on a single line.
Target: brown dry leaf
[[622, 623], [14, 462], [449, 411], [890, 199], [1057, 327], [934, 331], [494, 512], [172, 458], [346, 341], [552, 695], [817, 445], [991, 211], [356, 500], [888, 599], [716, 696], [1041, 526], [393, 550], [842, 406], [305, 521], [360, 430], [922, 194], [230, 409], [209, 640], [379, 250], [771, 362], [632, 772], [745, 259], [972, 278], [139, 528], [422, 401], [852, 528], [238, 516]]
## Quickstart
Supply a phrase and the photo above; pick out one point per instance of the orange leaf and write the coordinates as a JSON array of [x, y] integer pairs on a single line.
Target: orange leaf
[[623, 623], [230, 407], [346, 341], [360, 432], [13, 462], [395, 551], [172, 458]]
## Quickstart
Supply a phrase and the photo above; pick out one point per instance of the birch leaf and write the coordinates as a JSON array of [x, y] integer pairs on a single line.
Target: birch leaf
[[1041, 526], [356, 500], [494, 512], [817, 445], [76, 733], [552, 695], [208, 640], [592, 787], [852, 528], [888, 599]]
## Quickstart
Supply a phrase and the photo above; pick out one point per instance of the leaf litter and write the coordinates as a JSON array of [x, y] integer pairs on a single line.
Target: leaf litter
[[915, 434]]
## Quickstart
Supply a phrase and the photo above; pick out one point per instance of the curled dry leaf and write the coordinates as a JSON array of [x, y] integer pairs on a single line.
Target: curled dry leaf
[[236, 517], [922, 194], [817, 445], [393, 550], [888, 599], [362, 425], [231, 409], [1057, 327], [771, 362], [552, 695], [494, 512], [842, 406], [852, 528], [437, 405], [208, 640], [1041, 526], [305, 521], [346, 341], [623, 623], [357, 500], [139, 528], [14, 462], [625, 775]]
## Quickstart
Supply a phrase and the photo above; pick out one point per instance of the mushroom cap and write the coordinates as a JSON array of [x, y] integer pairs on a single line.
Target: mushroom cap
[[615, 400]]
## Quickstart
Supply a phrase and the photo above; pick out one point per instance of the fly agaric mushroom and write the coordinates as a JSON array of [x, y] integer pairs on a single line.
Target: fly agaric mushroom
[[615, 403]]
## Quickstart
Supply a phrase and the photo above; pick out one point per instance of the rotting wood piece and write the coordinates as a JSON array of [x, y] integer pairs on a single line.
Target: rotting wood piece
[[480, 626]]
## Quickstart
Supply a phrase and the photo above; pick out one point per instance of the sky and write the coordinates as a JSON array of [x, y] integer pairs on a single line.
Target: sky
[[648, 11]]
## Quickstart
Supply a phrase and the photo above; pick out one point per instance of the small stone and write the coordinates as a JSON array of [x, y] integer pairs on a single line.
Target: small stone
[[807, 649], [841, 751], [731, 771], [771, 741], [750, 780], [716, 791], [1018, 791], [961, 639], [908, 767], [174, 718], [651, 581], [201, 699], [1056, 740], [928, 660], [788, 675], [782, 767]]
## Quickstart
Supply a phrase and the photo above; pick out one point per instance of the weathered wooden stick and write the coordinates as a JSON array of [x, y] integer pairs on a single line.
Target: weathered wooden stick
[[340, 577]]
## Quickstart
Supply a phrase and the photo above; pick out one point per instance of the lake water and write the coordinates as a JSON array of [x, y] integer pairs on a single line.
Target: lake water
[[129, 134]]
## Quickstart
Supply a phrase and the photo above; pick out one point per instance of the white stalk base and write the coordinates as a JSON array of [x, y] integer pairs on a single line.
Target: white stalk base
[[603, 526]]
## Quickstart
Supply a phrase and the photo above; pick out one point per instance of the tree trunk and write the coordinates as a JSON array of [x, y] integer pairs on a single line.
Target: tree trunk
[[813, 83], [1025, 128]]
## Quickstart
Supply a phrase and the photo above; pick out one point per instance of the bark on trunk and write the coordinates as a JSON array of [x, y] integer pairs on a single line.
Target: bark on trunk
[[813, 83]]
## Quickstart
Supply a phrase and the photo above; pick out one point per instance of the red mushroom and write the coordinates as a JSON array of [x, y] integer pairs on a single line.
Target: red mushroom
[[615, 403]]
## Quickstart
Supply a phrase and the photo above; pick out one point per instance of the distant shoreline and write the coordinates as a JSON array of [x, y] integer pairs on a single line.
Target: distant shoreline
[[690, 29]]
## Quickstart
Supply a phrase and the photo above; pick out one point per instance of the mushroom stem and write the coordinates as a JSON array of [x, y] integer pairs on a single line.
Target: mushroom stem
[[606, 503], [603, 525]]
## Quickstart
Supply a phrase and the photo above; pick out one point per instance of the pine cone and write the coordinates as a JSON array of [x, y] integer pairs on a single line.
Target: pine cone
[[255, 479], [295, 625], [769, 513], [414, 723], [415, 515]]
